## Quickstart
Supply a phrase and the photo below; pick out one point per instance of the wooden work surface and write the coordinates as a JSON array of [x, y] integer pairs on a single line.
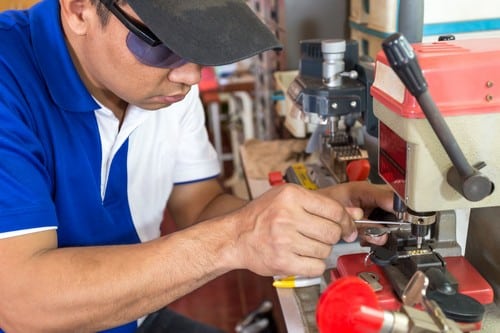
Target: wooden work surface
[[260, 157]]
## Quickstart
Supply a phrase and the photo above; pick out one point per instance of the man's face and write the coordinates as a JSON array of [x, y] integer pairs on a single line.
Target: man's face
[[106, 55]]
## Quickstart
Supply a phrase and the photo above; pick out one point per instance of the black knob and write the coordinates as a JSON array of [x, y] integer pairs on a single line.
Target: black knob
[[403, 61]]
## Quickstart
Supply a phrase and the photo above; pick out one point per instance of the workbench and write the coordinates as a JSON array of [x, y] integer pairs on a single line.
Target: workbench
[[299, 305]]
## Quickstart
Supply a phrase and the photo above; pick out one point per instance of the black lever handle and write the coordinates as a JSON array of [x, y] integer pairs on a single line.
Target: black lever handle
[[463, 177], [404, 62]]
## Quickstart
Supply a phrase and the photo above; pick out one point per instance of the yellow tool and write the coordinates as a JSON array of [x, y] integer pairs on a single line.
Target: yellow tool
[[297, 174]]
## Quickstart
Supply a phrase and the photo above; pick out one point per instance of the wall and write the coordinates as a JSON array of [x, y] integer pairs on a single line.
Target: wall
[[306, 19], [16, 4]]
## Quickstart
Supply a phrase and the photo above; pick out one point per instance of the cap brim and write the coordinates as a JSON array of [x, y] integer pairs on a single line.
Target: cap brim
[[207, 32]]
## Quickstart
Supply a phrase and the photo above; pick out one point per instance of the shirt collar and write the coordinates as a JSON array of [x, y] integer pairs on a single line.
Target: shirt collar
[[56, 65]]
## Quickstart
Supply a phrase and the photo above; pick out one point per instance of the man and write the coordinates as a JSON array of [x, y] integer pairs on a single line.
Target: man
[[101, 127]]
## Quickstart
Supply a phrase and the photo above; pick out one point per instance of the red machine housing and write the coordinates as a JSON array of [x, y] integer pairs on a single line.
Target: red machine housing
[[464, 81]]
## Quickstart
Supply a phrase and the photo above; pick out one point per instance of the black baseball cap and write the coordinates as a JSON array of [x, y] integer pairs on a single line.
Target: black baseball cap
[[207, 32]]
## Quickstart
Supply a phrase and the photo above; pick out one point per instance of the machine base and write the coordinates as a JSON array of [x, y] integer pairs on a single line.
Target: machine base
[[470, 282]]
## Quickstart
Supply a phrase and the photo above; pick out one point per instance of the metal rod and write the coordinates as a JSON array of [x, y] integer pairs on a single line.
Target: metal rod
[[379, 222]]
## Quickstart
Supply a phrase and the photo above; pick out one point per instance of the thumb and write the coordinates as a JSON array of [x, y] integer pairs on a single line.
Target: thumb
[[355, 212]]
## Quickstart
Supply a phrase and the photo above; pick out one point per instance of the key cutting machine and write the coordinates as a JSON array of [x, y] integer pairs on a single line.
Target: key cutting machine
[[438, 105], [331, 92]]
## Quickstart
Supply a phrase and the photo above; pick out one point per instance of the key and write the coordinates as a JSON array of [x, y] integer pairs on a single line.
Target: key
[[372, 279], [380, 231]]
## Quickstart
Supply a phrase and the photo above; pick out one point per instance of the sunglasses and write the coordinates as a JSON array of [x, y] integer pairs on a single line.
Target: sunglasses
[[142, 42]]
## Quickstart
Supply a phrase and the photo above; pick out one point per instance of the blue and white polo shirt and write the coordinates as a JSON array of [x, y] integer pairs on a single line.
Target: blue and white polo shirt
[[64, 162]]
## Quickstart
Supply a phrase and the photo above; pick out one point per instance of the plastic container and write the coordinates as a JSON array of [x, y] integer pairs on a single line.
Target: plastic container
[[370, 40]]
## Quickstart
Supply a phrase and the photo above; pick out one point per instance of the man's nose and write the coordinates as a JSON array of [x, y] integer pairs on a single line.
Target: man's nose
[[188, 74]]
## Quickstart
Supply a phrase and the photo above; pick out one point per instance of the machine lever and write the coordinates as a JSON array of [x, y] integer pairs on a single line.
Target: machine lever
[[463, 177]]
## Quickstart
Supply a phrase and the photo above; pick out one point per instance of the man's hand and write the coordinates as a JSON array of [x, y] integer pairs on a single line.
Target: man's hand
[[365, 196], [361, 194], [290, 230]]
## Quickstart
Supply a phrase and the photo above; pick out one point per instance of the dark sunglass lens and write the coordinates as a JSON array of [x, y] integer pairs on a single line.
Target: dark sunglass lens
[[156, 56]]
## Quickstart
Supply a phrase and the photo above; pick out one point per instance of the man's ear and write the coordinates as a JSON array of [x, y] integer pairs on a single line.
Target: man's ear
[[76, 13]]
